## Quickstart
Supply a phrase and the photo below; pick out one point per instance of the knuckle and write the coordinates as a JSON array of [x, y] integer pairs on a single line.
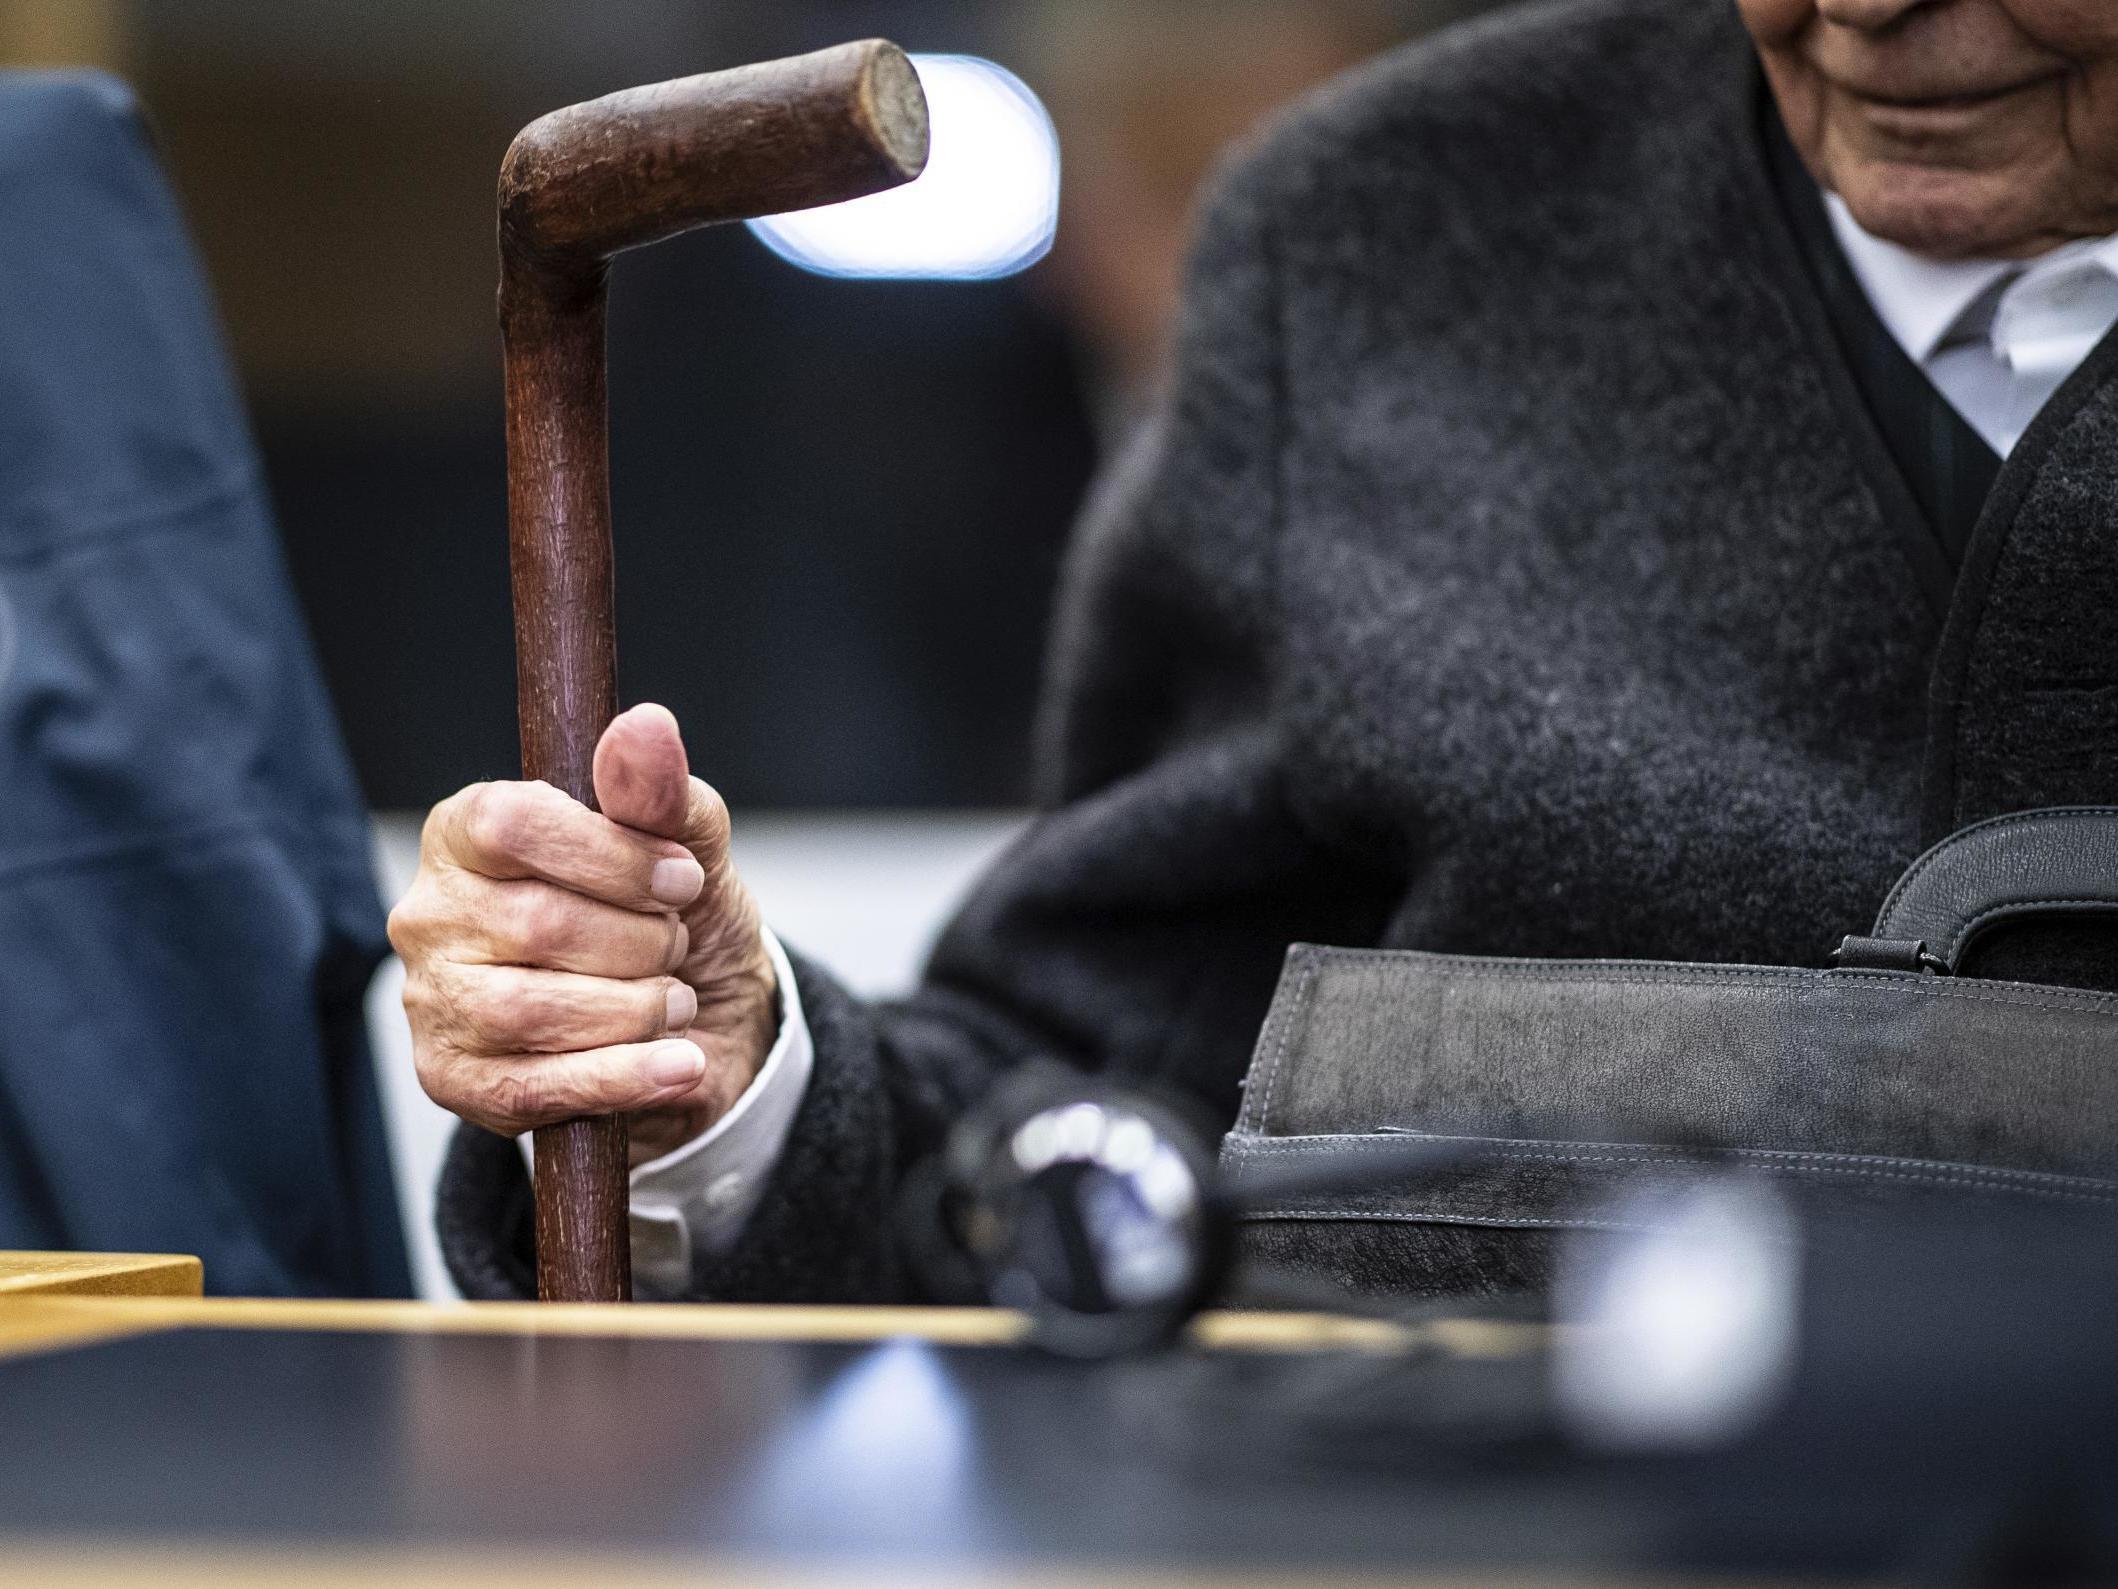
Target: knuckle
[[541, 925], [521, 1098], [417, 917], [437, 1075], [494, 1013], [499, 820], [442, 1008], [406, 925], [442, 819], [422, 919], [526, 1014]]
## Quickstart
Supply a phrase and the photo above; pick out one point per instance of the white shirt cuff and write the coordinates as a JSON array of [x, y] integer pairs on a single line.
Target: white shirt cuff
[[698, 1198]]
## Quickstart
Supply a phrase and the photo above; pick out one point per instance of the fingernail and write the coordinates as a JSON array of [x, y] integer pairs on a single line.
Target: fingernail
[[673, 1064], [683, 1008], [677, 881]]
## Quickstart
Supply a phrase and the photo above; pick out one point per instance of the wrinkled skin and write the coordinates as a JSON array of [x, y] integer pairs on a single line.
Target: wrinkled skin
[[1958, 128], [561, 962]]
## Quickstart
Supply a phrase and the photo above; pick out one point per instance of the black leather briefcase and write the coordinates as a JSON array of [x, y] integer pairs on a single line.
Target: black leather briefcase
[[1889, 1079]]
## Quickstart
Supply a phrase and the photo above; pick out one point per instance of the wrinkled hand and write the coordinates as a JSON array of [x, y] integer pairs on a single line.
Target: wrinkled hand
[[560, 963]]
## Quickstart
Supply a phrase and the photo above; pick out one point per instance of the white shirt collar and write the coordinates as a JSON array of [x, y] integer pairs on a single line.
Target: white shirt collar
[[1921, 299], [1918, 298]]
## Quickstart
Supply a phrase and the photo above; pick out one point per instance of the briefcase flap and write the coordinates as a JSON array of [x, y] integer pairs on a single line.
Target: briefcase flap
[[1563, 1081]]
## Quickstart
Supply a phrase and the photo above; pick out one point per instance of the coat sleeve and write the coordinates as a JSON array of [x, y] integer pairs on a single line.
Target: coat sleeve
[[1138, 926]]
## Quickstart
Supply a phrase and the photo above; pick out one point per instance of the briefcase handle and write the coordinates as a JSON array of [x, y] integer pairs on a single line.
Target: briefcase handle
[[2061, 861]]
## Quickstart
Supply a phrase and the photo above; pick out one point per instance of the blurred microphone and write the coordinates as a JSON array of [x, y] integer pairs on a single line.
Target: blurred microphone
[[1100, 1212]]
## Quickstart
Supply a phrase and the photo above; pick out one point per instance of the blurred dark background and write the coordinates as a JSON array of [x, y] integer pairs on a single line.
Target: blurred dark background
[[840, 505]]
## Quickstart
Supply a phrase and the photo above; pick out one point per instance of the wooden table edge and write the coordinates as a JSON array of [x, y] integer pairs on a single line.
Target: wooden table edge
[[45, 1323], [108, 1274], [100, 1564]]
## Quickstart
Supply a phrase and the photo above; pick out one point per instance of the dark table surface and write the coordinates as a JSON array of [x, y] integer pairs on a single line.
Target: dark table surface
[[300, 1434], [757, 1450]]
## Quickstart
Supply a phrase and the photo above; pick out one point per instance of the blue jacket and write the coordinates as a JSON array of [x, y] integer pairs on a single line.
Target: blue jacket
[[188, 919]]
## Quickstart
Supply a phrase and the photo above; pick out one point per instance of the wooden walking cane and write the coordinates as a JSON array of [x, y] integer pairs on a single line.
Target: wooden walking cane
[[577, 187]]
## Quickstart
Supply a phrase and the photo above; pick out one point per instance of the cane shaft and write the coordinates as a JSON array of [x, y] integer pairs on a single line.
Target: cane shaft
[[559, 542]]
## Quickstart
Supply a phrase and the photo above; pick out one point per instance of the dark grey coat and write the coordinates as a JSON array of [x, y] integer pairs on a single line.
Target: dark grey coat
[[1515, 570]]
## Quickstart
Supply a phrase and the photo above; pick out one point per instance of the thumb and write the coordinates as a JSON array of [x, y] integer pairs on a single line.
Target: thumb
[[642, 776], [643, 780]]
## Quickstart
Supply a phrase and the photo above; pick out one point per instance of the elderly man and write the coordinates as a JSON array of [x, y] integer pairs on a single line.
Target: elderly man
[[1588, 455]]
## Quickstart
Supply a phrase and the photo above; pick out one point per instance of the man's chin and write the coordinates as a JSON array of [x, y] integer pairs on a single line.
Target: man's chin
[[1947, 214]]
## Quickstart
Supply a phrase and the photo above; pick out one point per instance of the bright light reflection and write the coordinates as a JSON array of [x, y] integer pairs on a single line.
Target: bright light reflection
[[986, 206], [885, 1458], [1682, 1335]]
